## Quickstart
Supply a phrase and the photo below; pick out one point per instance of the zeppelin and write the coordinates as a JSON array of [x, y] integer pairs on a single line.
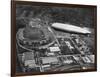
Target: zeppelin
[[71, 28]]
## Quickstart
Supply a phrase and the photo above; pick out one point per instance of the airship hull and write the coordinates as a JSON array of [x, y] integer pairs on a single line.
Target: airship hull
[[70, 28]]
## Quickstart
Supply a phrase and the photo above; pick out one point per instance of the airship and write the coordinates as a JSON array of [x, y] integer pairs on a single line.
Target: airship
[[71, 28]]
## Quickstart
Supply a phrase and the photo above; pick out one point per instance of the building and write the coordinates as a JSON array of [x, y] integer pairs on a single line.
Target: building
[[47, 60], [54, 49]]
